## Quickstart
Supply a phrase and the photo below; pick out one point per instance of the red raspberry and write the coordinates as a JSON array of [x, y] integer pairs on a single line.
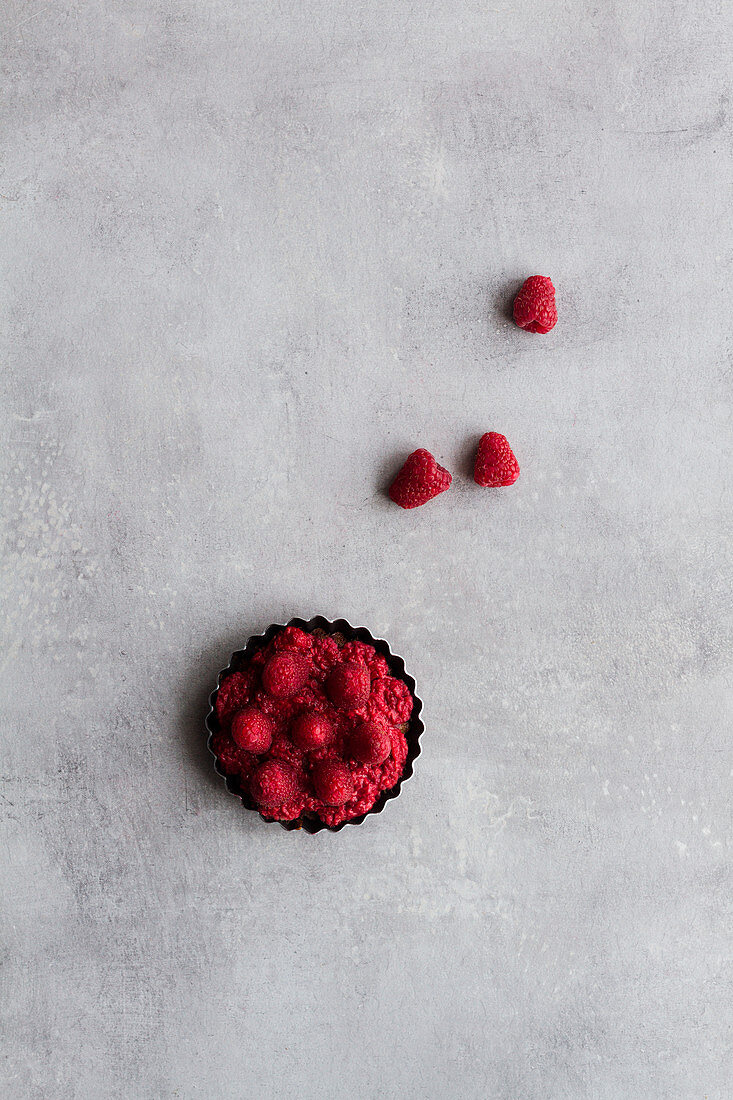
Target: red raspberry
[[332, 782], [348, 686], [274, 783], [419, 480], [252, 730], [495, 461], [370, 743], [534, 306], [311, 731], [284, 674]]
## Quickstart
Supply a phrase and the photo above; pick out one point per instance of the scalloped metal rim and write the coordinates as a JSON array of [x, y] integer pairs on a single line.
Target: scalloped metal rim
[[396, 667]]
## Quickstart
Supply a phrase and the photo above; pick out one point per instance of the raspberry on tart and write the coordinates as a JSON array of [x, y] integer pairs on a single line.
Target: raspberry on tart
[[369, 743], [252, 730], [274, 784], [284, 674], [311, 731], [332, 782], [348, 686]]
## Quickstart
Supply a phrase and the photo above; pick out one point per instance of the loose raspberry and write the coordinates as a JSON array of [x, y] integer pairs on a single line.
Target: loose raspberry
[[348, 686], [284, 674], [419, 480], [370, 743], [252, 730], [495, 462], [311, 731], [273, 784], [332, 782], [534, 307]]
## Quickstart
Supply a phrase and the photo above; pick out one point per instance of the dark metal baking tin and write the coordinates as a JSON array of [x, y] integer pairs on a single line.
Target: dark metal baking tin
[[396, 668]]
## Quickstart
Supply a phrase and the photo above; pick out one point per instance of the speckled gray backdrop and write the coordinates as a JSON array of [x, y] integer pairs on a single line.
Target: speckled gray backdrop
[[253, 253]]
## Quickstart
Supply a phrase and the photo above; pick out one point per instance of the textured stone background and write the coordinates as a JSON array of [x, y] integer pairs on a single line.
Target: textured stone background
[[253, 253]]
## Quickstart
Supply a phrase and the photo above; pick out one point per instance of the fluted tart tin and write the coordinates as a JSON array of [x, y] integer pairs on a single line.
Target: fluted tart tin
[[342, 632]]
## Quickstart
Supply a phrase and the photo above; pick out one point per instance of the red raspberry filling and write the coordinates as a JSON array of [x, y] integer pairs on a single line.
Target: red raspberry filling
[[312, 724], [234, 693]]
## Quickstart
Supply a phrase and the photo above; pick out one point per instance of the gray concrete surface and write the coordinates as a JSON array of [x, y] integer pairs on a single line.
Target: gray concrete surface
[[253, 254]]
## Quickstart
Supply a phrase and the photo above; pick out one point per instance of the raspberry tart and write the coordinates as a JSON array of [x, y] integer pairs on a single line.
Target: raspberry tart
[[315, 724]]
